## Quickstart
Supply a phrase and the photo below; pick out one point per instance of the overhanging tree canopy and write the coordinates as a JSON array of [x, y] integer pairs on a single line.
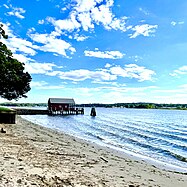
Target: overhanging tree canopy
[[14, 82]]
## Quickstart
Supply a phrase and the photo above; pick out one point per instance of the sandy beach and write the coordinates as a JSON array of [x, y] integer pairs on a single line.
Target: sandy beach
[[32, 155]]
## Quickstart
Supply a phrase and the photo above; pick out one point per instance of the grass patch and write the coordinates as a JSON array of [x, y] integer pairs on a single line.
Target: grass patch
[[3, 109]]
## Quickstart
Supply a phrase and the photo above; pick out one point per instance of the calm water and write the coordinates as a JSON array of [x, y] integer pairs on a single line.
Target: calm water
[[159, 136]]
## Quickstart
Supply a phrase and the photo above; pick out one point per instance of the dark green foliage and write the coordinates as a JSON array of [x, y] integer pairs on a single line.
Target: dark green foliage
[[10, 104], [118, 105], [4, 109], [138, 105], [14, 82]]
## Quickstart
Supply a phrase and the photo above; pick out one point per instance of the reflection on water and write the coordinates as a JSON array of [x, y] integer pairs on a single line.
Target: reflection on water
[[155, 134]]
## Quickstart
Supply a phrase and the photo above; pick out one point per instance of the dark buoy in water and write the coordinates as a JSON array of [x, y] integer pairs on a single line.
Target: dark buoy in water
[[93, 112]]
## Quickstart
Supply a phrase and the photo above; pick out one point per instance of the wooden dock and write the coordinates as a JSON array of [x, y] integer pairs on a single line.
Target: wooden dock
[[70, 111]]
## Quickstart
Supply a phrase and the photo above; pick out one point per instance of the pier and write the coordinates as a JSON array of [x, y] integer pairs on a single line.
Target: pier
[[63, 106], [25, 111], [70, 111], [56, 106]]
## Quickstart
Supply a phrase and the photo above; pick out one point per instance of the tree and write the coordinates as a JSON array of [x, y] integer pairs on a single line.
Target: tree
[[14, 82]]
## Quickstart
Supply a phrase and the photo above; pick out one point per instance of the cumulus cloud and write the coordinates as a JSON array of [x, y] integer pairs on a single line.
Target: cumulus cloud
[[16, 11], [41, 22], [67, 24], [108, 65], [80, 38], [8, 31], [16, 44], [87, 14], [21, 45], [181, 71], [133, 71], [48, 43], [39, 68], [145, 30], [139, 73], [22, 58], [52, 44], [105, 54], [83, 74]]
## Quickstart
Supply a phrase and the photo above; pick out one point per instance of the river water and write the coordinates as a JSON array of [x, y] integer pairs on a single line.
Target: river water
[[157, 136]]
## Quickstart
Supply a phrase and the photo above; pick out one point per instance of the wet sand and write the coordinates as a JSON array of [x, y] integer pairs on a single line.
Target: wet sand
[[32, 155]]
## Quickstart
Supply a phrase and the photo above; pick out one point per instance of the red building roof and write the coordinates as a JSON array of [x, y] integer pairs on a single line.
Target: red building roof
[[61, 101]]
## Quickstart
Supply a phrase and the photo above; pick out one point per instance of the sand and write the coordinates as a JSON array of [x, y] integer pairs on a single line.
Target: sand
[[32, 155]]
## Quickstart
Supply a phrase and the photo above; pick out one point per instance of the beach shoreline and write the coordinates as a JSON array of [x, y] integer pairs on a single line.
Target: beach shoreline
[[32, 155]]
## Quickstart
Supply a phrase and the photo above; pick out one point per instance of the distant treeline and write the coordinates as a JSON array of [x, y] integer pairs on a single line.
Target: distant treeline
[[137, 105], [24, 104], [115, 105]]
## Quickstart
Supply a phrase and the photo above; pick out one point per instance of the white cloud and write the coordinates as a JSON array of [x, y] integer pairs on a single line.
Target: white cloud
[[67, 24], [49, 41], [114, 94], [181, 22], [116, 84], [102, 14], [63, 9], [85, 5], [20, 45], [22, 58], [41, 22], [136, 58], [16, 12], [6, 6], [51, 87], [105, 54], [39, 68], [108, 65], [144, 11], [86, 21], [119, 24], [31, 30], [105, 75], [174, 23], [43, 85], [52, 44], [176, 95], [80, 38], [87, 14], [181, 71], [184, 86], [83, 74], [145, 30], [8, 31], [133, 71], [38, 84]]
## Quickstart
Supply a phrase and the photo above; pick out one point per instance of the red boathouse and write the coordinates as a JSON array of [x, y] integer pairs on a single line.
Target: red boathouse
[[63, 106]]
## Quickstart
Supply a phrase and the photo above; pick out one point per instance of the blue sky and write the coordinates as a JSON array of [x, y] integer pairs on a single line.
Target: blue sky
[[100, 51]]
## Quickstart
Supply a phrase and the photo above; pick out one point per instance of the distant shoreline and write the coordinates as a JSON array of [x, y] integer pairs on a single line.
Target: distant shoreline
[[139, 105]]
